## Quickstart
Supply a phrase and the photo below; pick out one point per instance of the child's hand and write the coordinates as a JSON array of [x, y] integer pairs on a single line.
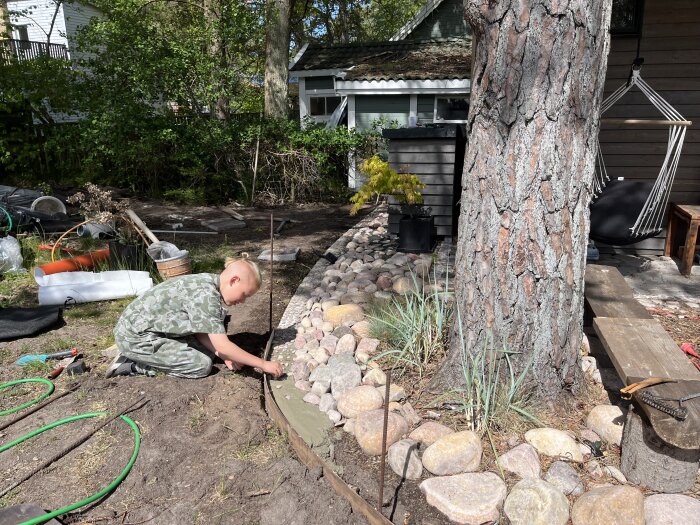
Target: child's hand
[[274, 368], [232, 365]]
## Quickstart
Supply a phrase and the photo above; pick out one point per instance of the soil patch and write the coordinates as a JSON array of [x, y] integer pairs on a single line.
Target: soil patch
[[209, 453]]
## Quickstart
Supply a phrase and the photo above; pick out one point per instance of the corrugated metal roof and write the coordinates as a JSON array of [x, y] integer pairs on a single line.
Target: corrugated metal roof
[[393, 60]]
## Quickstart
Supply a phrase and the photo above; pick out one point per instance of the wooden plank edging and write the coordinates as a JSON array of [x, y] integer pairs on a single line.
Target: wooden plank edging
[[309, 458]]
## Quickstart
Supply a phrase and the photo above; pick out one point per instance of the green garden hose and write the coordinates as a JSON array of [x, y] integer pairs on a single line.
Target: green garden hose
[[94, 497], [29, 403], [7, 228]]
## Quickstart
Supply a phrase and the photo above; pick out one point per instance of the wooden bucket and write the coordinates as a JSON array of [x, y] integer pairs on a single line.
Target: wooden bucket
[[174, 267]]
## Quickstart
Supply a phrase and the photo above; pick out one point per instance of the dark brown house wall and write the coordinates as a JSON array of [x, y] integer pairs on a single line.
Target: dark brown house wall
[[670, 46]]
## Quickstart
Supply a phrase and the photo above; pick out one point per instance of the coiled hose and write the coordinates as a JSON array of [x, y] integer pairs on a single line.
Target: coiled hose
[[94, 497]]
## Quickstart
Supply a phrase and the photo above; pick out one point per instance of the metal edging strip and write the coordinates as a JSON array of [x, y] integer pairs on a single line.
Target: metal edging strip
[[309, 458]]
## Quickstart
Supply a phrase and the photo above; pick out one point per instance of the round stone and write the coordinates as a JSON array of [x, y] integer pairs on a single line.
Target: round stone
[[536, 502], [312, 398], [374, 377], [555, 443], [361, 329], [369, 426], [565, 478], [607, 421], [337, 315], [328, 343], [429, 432], [469, 499], [603, 505], [671, 509], [523, 461], [327, 402], [404, 460], [453, 454], [345, 344], [355, 401]]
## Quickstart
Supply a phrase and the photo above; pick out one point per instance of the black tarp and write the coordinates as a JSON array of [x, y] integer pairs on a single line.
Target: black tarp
[[16, 323]]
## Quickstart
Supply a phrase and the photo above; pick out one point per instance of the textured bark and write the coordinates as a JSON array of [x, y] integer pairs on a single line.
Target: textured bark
[[4, 20], [276, 58], [647, 460], [537, 82]]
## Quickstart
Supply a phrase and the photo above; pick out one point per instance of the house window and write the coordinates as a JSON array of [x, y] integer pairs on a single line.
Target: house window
[[451, 109], [20, 33], [323, 106], [626, 18]]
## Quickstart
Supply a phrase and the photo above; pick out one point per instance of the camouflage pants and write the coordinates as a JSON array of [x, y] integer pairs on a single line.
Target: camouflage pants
[[182, 357]]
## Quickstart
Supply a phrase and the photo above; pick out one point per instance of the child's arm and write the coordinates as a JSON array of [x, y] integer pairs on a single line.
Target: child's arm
[[230, 351]]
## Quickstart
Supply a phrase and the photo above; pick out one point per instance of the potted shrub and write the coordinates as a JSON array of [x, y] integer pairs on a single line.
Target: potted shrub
[[416, 224]]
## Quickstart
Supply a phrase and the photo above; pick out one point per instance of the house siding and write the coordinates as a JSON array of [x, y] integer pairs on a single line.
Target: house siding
[[670, 47], [446, 20], [368, 108], [313, 83], [38, 20], [76, 16]]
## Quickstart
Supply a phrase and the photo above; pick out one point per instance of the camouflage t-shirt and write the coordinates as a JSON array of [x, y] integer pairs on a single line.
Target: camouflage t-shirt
[[186, 305]]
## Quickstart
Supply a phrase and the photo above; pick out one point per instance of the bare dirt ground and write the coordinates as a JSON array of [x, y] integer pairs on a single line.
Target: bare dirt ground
[[209, 453]]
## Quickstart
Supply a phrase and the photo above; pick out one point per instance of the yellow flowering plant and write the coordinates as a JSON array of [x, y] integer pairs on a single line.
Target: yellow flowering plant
[[382, 179]]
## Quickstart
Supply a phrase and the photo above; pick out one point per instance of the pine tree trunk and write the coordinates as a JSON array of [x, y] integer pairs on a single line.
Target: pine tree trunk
[[276, 58], [537, 82], [4, 20]]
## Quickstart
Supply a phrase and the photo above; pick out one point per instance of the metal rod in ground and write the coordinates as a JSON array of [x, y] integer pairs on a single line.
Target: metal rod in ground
[[382, 464], [272, 256], [38, 407], [75, 444]]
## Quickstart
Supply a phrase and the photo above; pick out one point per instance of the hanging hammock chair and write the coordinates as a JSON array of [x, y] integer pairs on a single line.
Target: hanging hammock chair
[[625, 212]]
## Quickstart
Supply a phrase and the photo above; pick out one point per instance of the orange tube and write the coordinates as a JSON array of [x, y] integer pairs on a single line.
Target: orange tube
[[82, 262]]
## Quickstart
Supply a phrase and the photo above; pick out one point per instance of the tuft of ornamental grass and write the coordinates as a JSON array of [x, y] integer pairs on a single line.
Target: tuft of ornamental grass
[[414, 328]]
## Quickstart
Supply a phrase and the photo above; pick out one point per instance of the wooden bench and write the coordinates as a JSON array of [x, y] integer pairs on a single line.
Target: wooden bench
[[657, 450], [690, 215]]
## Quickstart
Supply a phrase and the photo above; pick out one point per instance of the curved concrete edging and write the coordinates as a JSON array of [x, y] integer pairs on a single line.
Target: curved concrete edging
[[305, 452]]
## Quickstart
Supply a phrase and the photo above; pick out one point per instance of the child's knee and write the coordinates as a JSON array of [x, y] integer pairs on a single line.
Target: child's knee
[[201, 367]]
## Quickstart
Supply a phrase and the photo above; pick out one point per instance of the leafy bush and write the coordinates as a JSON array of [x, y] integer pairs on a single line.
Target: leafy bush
[[384, 180]]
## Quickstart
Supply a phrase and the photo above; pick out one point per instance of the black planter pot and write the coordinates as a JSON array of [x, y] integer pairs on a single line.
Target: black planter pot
[[416, 234]]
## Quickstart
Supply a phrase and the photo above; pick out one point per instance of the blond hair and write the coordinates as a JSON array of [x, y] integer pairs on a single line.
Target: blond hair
[[252, 265]]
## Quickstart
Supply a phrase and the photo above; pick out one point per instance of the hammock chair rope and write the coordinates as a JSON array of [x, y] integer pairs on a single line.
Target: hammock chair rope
[[651, 215]]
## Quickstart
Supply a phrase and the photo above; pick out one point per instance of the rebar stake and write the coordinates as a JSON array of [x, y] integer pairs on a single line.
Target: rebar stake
[[272, 254], [384, 432]]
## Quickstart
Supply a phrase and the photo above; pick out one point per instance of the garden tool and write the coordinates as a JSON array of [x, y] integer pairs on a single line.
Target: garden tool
[[692, 354], [26, 359], [679, 412], [62, 364], [627, 391]]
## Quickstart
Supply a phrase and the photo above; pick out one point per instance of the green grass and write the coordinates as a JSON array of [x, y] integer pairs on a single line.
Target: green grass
[[17, 289], [209, 259], [37, 368]]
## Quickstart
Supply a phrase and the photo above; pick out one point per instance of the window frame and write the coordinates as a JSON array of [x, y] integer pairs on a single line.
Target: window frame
[[443, 121]]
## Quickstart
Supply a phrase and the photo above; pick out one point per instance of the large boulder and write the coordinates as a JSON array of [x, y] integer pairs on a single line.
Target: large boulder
[[468, 499], [369, 426], [453, 454], [536, 502], [614, 505]]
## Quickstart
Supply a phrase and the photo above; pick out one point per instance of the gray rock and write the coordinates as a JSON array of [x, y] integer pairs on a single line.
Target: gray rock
[[327, 402], [594, 469], [334, 416], [345, 344], [321, 373], [523, 461], [320, 387], [312, 398], [345, 376], [607, 421], [341, 331], [304, 386], [536, 502], [320, 355], [368, 345], [300, 370], [328, 343], [337, 359], [613, 505], [565, 478], [453, 454], [374, 377], [469, 499], [671, 509], [404, 460], [615, 473]]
